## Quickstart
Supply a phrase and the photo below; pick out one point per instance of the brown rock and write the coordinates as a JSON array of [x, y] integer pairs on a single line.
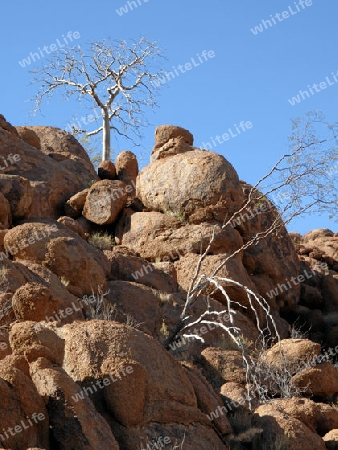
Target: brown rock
[[32, 301], [213, 334], [225, 365], [17, 362], [75, 204], [137, 305], [272, 261], [164, 133], [169, 394], [88, 227], [311, 296], [20, 404], [318, 233], [168, 268], [29, 136], [331, 439], [63, 252], [7, 126], [74, 421], [106, 170], [319, 417], [288, 431], [19, 194], [320, 381], [104, 202], [207, 399], [2, 239], [18, 275], [61, 297], [186, 182], [236, 394], [56, 171], [293, 352], [330, 292], [139, 270], [5, 213], [173, 147], [135, 230], [322, 245], [163, 237], [124, 388], [35, 340], [233, 269], [127, 169], [71, 224]]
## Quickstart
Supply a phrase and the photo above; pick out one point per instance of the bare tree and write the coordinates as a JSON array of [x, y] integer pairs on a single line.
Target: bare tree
[[304, 177], [114, 76]]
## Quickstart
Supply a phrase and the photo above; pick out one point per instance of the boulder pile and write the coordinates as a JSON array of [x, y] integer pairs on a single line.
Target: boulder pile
[[95, 268]]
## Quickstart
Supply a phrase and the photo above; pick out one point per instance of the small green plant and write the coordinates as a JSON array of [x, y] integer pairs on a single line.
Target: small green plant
[[90, 184], [164, 332], [226, 343], [262, 201], [64, 281], [102, 241], [180, 215], [298, 331], [164, 297], [275, 380], [132, 322], [101, 308]]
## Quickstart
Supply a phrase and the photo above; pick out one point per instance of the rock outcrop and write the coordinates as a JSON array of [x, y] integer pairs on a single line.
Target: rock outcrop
[[95, 271], [51, 171]]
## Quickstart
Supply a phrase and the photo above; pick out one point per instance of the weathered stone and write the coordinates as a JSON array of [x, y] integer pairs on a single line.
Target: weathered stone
[[104, 202], [127, 169], [189, 181], [106, 170]]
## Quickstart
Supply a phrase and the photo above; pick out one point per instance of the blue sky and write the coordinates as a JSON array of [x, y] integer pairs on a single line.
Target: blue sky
[[250, 78]]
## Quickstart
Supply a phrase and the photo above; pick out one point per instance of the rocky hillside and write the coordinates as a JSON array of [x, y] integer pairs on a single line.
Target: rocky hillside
[[94, 274]]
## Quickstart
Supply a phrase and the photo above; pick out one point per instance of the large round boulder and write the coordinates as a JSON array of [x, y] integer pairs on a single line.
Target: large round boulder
[[183, 183], [82, 267]]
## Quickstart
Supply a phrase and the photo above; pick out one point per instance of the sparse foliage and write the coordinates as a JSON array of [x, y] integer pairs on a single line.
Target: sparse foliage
[[299, 331], [275, 380], [100, 308], [64, 281], [301, 176], [132, 322], [114, 76], [102, 241]]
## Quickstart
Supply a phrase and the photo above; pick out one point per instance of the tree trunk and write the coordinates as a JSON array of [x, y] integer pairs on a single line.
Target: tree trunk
[[106, 136]]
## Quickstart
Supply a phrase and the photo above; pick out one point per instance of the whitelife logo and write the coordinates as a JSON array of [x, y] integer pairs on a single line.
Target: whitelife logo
[[300, 6], [315, 88], [228, 135], [7, 162], [48, 49], [183, 68], [129, 6]]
